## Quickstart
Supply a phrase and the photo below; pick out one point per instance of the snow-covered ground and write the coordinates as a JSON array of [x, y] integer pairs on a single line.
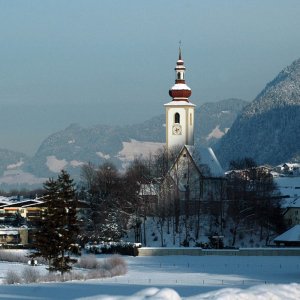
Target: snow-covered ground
[[176, 277]]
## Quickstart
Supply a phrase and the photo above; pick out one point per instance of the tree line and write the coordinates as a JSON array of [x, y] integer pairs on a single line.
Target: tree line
[[108, 203]]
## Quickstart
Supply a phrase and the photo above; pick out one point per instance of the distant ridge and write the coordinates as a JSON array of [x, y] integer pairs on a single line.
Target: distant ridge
[[268, 129], [75, 145]]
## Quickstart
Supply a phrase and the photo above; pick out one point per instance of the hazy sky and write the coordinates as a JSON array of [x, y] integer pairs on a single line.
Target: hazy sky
[[112, 62]]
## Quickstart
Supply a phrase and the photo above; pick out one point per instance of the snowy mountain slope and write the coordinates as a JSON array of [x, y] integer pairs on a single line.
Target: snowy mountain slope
[[72, 147], [11, 160], [214, 119], [268, 128]]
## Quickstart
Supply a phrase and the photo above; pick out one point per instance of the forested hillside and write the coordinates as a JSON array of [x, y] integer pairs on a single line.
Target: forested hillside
[[268, 128]]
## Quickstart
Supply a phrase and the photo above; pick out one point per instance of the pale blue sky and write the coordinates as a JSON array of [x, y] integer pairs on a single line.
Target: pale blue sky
[[83, 61]]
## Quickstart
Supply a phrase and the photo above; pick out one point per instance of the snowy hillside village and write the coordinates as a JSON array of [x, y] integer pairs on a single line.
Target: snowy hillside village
[[177, 197]]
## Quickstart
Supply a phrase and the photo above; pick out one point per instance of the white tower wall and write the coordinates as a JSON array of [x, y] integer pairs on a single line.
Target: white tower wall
[[185, 135], [180, 111]]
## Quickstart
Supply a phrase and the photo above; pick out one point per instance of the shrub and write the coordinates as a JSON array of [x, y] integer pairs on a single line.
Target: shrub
[[22, 257], [30, 275], [8, 255], [88, 262], [122, 248], [110, 267], [71, 276], [115, 265], [76, 276], [98, 273], [51, 277], [12, 277]]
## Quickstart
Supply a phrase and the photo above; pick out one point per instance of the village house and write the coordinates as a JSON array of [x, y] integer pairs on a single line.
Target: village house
[[289, 187], [288, 169]]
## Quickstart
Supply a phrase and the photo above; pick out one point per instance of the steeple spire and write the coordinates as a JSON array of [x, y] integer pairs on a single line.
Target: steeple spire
[[180, 91], [179, 56]]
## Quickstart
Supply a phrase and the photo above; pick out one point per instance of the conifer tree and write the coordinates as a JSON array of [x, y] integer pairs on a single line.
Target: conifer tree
[[59, 227], [46, 236]]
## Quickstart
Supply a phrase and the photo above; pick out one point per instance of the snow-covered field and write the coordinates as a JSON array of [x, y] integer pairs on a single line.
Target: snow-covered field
[[176, 277]]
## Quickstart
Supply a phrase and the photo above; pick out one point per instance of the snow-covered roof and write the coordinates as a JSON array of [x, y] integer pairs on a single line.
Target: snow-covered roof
[[292, 235], [206, 156], [8, 231], [288, 186], [180, 86], [33, 204], [291, 165], [22, 203], [291, 203], [179, 103]]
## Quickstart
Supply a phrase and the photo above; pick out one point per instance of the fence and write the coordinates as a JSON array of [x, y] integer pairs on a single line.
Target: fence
[[224, 252]]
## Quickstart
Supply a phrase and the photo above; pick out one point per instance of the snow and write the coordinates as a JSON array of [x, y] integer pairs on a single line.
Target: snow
[[76, 163], [102, 155], [8, 231], [179, 103], [55, 165], [175, 277], [215, 133], [206, 156], [180, 86], [292, 235], [137, 149], [16, 165], [20, 177], [288, 186]]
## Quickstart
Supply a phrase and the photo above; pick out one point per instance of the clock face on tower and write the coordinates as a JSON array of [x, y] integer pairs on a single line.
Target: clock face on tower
[[177, 130]]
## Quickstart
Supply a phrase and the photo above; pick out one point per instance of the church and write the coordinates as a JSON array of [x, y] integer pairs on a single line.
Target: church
[[195, 175]]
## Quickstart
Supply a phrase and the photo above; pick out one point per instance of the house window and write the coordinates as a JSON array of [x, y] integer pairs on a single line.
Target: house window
[[177, 118]]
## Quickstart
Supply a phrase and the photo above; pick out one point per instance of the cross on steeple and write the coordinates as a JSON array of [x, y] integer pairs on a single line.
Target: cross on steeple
[[179, 50]]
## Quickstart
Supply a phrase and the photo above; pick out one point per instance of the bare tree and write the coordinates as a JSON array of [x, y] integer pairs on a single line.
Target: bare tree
[[253, 199]]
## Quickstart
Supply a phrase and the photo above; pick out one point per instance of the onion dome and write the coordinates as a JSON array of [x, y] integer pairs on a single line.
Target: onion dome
[[180, 91]]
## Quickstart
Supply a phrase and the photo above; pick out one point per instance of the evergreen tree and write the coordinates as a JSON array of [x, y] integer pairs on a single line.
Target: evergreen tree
[[46, 236], [59, 227]]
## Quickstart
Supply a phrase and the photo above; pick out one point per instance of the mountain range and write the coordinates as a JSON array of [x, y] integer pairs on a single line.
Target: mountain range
[[267, 129], [75, 145]]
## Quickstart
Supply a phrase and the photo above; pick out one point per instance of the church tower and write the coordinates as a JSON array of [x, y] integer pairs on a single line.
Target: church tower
[[180, 111]]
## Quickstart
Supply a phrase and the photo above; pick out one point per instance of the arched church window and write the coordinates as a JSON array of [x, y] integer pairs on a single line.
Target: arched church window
[[177, 118], [178, 75]]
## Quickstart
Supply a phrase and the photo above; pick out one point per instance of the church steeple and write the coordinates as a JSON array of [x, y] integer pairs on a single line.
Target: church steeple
[[180, 91], [180, 111]]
